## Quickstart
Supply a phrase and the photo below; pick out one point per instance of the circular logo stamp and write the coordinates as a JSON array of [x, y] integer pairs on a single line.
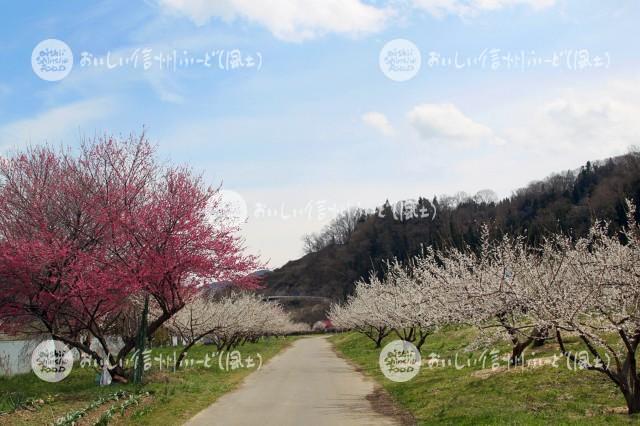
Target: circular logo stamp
[[400, 361], [52, 361], [52, 59], [400, 60], [235, 206]]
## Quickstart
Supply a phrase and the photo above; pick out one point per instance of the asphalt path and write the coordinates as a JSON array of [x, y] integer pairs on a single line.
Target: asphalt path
[[307, 384]]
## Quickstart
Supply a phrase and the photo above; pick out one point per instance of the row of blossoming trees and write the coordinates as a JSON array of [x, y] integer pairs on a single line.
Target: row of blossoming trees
[[586, 287], [88, 239], [230, 321]]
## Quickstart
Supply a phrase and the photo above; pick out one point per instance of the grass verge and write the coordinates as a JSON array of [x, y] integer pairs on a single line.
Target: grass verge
[[478, 394], [174, 396]]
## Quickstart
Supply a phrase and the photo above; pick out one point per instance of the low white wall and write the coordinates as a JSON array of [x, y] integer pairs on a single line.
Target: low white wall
[[15, 355]]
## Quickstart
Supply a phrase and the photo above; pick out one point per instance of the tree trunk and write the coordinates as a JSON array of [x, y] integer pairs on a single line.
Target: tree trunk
[[423, 337], [183, 353], [141, 343], [630, 384], [379, 339], [376, 335], [517, 351], [118, 374], [412, 335], [633, 401], [130, 341], [405, 334], [540, 337]]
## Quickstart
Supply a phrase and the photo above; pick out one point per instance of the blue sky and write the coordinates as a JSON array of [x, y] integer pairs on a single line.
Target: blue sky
[[319, 126]]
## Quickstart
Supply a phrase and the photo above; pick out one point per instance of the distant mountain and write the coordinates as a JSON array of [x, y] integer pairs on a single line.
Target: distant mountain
[[261, 272], [224, 287], [567, 201]]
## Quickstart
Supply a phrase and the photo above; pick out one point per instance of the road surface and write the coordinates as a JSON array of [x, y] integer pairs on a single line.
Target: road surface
[[307, 384]]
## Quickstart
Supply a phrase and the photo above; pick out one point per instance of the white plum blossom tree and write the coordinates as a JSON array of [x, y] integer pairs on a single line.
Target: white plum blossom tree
[[362, 312], [481, 289], [230, 321], [406, 301], [591, 288]]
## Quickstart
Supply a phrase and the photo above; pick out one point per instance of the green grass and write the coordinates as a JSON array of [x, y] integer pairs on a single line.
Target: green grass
[[536, 396], [175, 396]]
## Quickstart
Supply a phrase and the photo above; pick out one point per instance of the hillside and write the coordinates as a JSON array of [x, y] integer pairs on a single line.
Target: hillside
[[567, 201]]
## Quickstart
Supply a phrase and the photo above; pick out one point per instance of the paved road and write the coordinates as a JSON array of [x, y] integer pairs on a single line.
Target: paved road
[[307, 384]]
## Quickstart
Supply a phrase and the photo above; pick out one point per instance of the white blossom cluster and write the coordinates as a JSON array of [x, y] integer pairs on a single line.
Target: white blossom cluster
[[232, 320]]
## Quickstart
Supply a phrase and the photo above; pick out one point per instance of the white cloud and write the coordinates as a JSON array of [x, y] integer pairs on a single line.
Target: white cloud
[[467, 8], [446, 123], [290, 20], [54, 125], [596, 124], [379, 122]]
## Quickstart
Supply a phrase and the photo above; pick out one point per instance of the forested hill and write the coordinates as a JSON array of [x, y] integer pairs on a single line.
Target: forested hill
[[567, 201]]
